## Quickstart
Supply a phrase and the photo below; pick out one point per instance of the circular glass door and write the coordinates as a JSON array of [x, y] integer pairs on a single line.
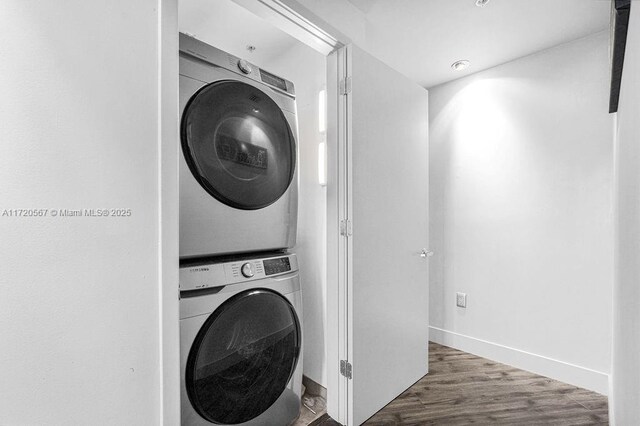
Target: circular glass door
[[243, 357], [238, 144]]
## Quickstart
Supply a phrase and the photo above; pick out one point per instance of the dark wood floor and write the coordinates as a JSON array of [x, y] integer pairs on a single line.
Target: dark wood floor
[[463, 389]]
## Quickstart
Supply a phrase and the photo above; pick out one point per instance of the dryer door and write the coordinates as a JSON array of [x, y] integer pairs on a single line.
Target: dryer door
[[238, 144], [243, 357]]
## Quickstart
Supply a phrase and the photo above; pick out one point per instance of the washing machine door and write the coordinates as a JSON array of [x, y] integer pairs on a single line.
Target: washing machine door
[[238, 144], [243, 357]]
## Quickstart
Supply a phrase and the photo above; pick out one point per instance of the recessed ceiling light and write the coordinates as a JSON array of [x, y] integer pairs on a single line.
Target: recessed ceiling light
[[460, 65], [482, 3]]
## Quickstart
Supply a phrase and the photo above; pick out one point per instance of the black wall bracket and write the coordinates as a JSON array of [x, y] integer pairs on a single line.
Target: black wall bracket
[[620, 22]]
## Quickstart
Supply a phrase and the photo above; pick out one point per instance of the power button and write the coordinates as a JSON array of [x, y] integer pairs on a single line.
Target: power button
[[244, 66], [247, 270]]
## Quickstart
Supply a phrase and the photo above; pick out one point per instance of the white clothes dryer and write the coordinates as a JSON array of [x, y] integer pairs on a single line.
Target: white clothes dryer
[[241, 342], [238, 171]]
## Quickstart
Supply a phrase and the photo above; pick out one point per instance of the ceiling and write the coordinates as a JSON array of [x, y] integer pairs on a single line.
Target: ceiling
[[419, 38], [422, 38]]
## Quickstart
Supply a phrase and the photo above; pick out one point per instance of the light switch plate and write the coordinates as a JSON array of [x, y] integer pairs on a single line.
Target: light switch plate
[[461, 300]]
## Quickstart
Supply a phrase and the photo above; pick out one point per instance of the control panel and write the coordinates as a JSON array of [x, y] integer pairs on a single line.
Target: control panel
[[277, 265], [192, 47], [221, 274]]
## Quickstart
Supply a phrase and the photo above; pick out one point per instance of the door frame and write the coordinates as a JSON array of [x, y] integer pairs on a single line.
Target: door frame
[[168, 233], [339, 246], [302, 24]]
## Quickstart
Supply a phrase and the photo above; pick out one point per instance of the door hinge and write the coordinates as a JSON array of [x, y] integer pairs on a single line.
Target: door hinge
[[345, 86], [345, 369], [346, 230]]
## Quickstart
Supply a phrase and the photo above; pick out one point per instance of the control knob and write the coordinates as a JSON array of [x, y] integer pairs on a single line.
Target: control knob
[[247, 270], [244, 66]]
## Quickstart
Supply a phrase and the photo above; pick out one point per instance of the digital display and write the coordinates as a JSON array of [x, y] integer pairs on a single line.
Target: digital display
[[239, 152], [271, 79], [276, 266]]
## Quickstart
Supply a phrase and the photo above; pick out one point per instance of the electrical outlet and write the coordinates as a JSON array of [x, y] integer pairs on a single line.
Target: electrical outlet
[[461, 300]]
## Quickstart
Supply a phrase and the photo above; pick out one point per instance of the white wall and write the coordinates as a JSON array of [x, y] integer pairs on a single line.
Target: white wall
[[80, 312], [521, 212], [216, 22], [625, 406]]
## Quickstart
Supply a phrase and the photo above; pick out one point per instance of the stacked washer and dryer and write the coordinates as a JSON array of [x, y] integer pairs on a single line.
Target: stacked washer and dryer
[[240, 302]]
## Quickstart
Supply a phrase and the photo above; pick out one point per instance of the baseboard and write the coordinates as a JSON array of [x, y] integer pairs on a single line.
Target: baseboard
[[538, 364], [314, 388]]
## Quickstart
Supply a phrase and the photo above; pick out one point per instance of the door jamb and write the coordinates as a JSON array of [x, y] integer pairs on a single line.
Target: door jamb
[[338, 246], [299, 22], [168, 252]]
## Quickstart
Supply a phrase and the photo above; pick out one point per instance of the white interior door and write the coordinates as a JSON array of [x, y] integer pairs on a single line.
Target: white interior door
[[383, 156]]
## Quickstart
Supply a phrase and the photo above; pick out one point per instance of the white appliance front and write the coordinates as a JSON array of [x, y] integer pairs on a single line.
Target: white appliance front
[[241, 342], [238, 168]]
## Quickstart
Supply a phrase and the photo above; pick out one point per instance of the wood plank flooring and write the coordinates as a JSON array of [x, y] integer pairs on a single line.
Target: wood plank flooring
[[464, 389]]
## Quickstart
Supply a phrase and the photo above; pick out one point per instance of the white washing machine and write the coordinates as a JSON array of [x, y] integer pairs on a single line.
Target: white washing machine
[[241, 342], [238, 171]]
